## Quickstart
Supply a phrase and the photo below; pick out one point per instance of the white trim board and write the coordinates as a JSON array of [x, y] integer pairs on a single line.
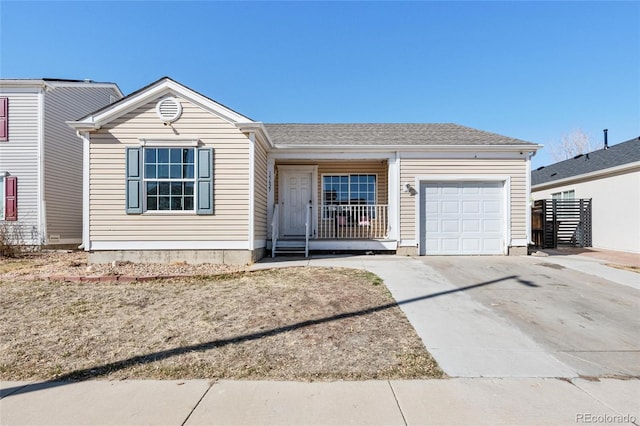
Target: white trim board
[[352, 245]]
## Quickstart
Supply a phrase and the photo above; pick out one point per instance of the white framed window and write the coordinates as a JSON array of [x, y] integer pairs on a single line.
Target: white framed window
[[169, 179], [340, 193], [359, 189], [564, 195]]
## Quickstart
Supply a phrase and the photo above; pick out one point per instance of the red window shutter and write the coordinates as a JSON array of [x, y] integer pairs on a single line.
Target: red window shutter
[[11, 198], [4, 119]]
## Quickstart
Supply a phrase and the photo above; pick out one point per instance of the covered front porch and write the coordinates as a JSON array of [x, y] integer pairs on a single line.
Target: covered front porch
[[331, 204]]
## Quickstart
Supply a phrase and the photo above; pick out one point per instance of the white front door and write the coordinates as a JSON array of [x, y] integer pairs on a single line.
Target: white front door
[[296, 196]]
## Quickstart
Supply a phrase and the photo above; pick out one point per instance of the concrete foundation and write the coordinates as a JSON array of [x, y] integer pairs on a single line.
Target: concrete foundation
[[518, 251], [194, 257], [407, 251]]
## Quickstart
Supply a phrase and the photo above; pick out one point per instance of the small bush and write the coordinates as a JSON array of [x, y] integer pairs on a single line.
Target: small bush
[[12, 242]]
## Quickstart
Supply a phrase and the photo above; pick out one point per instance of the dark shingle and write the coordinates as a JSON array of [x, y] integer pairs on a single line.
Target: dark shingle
[[616, 155], [384, 134]]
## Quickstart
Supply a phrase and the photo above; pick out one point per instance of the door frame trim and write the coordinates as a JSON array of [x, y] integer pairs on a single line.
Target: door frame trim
[[506, 200], [313, 170]]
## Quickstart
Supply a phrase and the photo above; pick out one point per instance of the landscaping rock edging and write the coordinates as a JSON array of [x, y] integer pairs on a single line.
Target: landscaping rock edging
[[108, 278]]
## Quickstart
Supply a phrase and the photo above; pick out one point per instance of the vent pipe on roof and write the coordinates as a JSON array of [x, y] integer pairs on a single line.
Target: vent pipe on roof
[[606, 142]]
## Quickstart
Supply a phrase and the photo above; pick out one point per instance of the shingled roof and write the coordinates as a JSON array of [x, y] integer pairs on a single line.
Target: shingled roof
[[380, 134], [616, 155]]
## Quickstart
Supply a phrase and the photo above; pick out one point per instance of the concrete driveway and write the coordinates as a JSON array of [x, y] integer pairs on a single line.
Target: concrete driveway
[[587, 322], [524, 316]]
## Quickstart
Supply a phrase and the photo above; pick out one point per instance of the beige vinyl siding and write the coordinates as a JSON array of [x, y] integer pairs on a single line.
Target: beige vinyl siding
[[260, 192], [516, 169], [108, 220], [369, 167], [19, 157], [63, 155]]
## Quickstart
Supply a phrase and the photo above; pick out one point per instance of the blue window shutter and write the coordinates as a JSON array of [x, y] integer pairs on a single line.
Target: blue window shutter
[[205, 181], [134, 181]]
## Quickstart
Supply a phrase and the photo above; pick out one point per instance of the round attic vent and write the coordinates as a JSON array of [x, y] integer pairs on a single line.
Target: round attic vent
[[169, 110]]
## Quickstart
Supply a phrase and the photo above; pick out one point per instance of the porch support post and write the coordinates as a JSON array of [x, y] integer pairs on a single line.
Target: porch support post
[[393, 170], [271, 182]]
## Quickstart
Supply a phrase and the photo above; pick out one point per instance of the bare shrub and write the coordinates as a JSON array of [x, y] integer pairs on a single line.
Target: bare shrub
[[12, 243]]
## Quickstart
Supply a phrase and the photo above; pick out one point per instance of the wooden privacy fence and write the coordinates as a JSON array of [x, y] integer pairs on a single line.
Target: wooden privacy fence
[[561, 223]]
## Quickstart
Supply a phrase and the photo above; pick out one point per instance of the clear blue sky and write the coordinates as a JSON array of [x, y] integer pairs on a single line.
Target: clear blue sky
[[529, 70]]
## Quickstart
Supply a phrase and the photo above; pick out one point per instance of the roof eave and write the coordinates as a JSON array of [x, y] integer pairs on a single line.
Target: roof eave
[[255, 127], [416, 148], [587, 176], [157, 89]]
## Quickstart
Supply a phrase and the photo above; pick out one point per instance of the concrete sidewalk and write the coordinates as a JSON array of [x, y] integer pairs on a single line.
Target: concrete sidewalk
[[594, 262], [479, 401]]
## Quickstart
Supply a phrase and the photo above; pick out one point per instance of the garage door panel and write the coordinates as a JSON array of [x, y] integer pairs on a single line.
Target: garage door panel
[[470, 207], [492, 245], [450, 190], [432, 226], [450, 245], [492, 189], [471, 190], [432, 245], [463, 218], [491, 207], [432, 190], [471, 225], [450, 226], [491, 226], [450, 207], [471, 244], [431, 207]]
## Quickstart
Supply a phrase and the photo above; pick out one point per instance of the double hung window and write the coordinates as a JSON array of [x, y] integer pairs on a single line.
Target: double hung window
[[173, 179], [169, 179]]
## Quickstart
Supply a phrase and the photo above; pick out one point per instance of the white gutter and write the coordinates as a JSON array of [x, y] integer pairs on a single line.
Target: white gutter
[[407, 148]]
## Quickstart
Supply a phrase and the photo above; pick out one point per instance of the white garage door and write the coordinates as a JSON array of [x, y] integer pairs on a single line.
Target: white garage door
[[462, 218]]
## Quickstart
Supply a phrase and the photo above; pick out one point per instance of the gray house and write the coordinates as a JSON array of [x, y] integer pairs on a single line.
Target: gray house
[[41, 157]]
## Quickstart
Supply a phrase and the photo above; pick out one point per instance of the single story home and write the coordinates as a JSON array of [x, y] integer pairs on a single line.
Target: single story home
[[170, 174], [610, 177]]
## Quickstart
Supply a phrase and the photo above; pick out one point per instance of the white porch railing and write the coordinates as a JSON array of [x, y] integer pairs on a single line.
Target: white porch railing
[[353, 221], [275, 230], [307, 229]]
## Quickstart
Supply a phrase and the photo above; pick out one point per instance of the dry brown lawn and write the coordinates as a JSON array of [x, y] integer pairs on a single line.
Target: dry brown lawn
[[286, 324]]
